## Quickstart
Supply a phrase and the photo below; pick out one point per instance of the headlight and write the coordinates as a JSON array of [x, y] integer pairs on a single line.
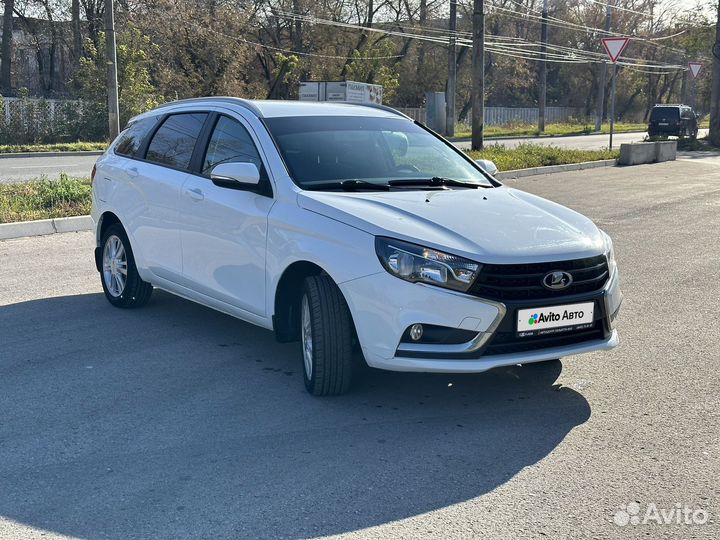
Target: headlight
[[419, 264], [610, 254]]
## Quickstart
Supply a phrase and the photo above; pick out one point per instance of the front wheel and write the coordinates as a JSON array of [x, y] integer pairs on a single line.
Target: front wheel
[[121, 282], [326, 330]]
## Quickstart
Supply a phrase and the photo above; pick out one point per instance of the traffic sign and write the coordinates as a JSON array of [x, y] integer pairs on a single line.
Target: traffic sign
[[614, 47], [695, 68]]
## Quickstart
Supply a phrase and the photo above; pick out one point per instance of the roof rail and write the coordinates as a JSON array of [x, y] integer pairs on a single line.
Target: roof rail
[[217, 99], [382, 108]]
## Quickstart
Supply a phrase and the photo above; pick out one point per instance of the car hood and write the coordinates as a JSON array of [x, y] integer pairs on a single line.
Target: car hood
[[492, 225]]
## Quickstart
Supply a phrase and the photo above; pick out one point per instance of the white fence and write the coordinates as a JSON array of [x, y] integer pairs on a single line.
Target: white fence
[[15, 108], [502, 116], [494, 116]]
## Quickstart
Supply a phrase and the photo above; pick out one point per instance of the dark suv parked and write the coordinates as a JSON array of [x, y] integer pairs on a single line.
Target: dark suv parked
[[679, 120]]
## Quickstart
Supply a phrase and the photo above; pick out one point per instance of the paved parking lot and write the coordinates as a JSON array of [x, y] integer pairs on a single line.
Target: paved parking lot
[[176, 421]]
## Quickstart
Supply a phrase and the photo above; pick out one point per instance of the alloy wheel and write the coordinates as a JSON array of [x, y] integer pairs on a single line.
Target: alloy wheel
[[115, 266]]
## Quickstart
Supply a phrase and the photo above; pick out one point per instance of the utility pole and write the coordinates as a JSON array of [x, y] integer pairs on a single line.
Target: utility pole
[[478, 75], [684, 87], [452, 73], [112, 83], [612, 103], [603, 75], [715, 92], [542, 97]]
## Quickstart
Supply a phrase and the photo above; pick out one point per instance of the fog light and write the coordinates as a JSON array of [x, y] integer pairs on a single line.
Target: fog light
[[416, 331]]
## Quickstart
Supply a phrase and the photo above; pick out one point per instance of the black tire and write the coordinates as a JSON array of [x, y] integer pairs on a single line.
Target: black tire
[[331, 328], [135, 292]]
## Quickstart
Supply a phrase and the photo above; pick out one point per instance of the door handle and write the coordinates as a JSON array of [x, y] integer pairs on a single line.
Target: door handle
[[132, 172], [195, 193]]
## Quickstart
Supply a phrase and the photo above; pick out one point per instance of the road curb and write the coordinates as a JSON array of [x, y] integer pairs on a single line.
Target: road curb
[[520, 173], [42, 227], [8, 155]]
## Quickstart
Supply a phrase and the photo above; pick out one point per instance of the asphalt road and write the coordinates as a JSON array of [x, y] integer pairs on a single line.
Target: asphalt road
[[19, 169], [174, 421], [28, 168]]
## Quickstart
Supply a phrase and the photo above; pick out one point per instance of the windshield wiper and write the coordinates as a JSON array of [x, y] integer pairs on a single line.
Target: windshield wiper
[[434, 181], [349, 185]]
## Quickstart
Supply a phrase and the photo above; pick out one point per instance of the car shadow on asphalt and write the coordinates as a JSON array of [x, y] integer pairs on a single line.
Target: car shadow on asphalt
[[175, 421]]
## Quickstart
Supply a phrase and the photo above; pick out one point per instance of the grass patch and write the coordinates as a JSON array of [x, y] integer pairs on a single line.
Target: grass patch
[[59, 147], [42, 199], [533, 155], [554, 130], [694, 145]]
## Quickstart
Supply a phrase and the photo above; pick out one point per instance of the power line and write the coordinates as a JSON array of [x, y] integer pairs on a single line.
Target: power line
[[580, 55], [615, 6]]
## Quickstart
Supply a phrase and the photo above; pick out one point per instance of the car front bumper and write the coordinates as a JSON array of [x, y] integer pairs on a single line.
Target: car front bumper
[[384, 307]]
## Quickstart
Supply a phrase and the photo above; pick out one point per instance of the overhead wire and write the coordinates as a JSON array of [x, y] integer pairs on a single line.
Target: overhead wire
[[565, 54]]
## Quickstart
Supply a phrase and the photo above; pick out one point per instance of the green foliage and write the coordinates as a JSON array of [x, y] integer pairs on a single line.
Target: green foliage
[[532, 155], [135, 92], [377, 70], [56, 147], [32, 122], [694, 145], [45, 198]]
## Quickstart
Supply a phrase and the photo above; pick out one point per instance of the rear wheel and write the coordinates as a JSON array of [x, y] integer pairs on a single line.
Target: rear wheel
[[121, 282], [326, 330]]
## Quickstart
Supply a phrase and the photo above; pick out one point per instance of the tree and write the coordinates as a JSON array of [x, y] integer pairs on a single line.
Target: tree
[[136, 92], [76, 30], [715, 94], [6, 55], [367, 67]]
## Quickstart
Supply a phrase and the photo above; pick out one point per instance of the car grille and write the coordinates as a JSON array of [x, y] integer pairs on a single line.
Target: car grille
[[509, 342], [516, 282]]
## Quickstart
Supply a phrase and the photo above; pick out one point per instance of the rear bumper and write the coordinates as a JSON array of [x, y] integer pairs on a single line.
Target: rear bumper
[[673, 129]]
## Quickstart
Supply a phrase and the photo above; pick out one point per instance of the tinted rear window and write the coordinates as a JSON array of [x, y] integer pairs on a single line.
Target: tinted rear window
[[174, 142], [132, 138], [667, 113]]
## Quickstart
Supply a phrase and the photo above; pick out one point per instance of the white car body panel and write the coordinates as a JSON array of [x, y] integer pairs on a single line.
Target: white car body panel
[[228, 249], [500, 225]]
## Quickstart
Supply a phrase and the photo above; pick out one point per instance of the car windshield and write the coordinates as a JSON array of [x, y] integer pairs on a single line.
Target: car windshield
[[326, 150], [665, 113]]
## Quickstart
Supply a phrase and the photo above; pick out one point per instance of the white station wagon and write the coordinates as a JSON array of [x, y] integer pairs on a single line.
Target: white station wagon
[[348, 228]]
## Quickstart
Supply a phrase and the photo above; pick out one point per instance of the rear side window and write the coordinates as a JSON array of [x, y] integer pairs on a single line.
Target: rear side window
[[174, 142], [132, 138], [230, 143]]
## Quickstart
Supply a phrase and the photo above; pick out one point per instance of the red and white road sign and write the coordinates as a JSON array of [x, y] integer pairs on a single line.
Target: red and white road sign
[[695, 68], [614, 46]]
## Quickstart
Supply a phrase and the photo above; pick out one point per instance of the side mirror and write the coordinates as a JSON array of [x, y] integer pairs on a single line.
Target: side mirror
[[235, 175], [487, 166]]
